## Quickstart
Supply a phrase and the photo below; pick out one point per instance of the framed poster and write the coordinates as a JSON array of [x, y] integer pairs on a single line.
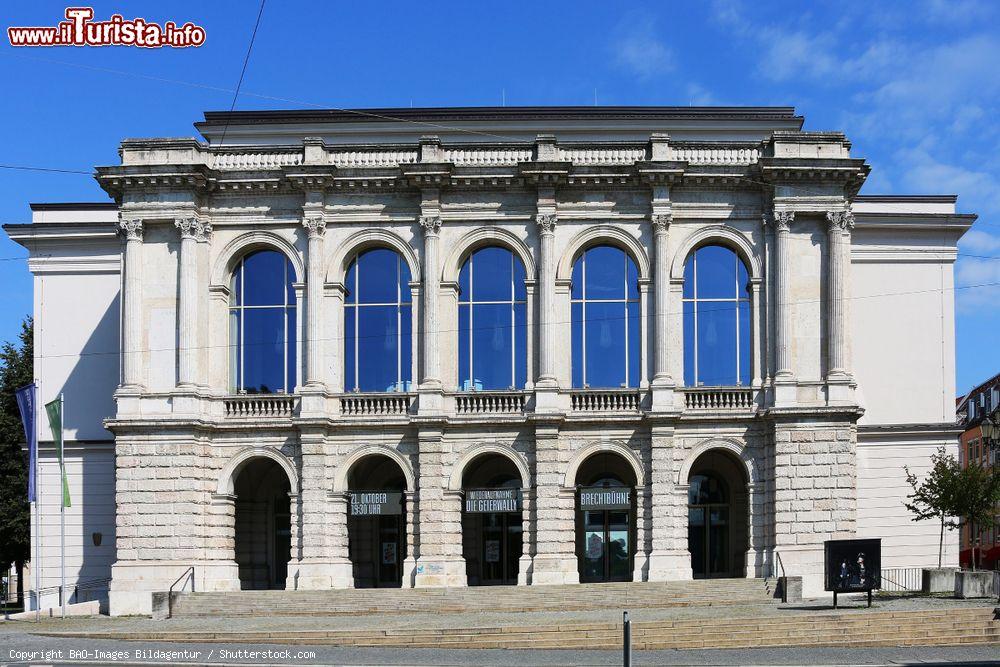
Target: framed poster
[[852, 565], [492, 551], [388, 553]]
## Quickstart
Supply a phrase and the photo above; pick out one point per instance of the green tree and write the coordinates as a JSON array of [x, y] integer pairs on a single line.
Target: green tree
[[936, 496], [16, 370], [977, 497]]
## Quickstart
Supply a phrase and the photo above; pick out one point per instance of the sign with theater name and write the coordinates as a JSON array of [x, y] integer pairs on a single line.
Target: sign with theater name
[[605, 498], [490, 501], [375, 503]]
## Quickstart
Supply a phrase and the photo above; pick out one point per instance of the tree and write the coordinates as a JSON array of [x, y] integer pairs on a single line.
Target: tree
[[16, 370], [936, 496], [977, 497]]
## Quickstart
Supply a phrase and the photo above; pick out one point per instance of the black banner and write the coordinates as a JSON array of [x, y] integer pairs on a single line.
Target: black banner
[[375, 503], [490, 501], [852, 565], [606, 498]]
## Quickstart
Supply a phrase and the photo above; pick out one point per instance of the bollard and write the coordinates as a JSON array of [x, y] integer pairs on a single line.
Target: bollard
[[626, 641]]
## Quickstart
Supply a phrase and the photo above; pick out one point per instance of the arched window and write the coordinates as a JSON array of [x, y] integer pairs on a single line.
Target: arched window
[[716, 318], [492, 325], [605, 319], [262, 324], [378, 323]]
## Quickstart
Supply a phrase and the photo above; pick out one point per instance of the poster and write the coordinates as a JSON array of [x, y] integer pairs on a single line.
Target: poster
[[492, 551], [852, 565], [388, 553]]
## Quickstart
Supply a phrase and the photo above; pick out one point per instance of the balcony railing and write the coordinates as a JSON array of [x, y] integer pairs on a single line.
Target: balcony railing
[[605, 400], [260, 406], [719, 398], [490, 403], [375, 405]]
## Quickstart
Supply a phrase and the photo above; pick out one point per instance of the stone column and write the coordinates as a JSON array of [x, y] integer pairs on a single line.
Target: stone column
[[841, 223], [431, 399], [315, 227], [295, 537], [132, 375], [546, 303], [555, 511], [325, 562], [784, 377], [410, 562], [663, 381], [643, 528], [440, 562], [524, 565], [192, 231], [669, 558]]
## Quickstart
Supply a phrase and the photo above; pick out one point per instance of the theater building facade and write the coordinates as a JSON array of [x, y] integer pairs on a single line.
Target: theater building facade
[[469, 347]]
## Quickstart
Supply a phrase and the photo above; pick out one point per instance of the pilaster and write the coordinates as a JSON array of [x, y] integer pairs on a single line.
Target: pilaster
[[669, 559], [785, 390], [555, 559], [440, 562], [838, 378], [431, 390]]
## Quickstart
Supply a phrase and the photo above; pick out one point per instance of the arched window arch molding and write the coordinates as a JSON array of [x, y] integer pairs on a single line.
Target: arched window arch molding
[[716, 235], [366, 240], [469, 455], [243, 245], [733, 447], [603, 235], [569, 481], [482, 238], [344, 469], [239, 460]]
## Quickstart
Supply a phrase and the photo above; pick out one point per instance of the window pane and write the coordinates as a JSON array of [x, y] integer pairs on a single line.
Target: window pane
[[289, 283], [605, 277], [235, 377], [378, 277], [406, 346], [744, 310], [717, 343], [605, 346], [492, 338], [743, 280], [492, 275], [716, 273], [576, 280], [632, 279], [520, 291], [521, 344], [264, 279], [634, 345], [689, 277], [689, 375], [236, 286], [349, 342], [264, 350], [464, 293], [464, 376], [377, 348], [291, 351], [577, 344], [350, 283]]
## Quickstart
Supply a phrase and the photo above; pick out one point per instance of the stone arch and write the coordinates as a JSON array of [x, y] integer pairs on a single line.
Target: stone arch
[[482, 237], [603, 234], [569, 481], [717, 235], [255, 240], [235, 464], [458, 469], [733, 447], [364, 240], [344, 469]]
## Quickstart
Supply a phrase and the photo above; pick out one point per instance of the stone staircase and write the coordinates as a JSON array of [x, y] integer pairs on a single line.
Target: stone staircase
[[476, 599]]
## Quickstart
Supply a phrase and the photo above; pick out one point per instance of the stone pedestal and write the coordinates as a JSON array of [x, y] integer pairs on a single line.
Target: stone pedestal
[[978, 584], [938, 579]]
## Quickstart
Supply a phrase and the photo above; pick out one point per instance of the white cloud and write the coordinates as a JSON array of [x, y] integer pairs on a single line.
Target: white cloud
[[977, 283], [637, 47], [978, 242]]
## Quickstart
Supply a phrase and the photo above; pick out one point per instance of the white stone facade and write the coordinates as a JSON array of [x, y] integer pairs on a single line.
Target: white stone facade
[[849, 295]]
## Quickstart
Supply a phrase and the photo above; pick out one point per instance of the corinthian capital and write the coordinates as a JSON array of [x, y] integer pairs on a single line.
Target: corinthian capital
[[431, 224], [661, 222], [546, 222], [131, 230], [840, 220], [193, 228], [314, 224], [781, 220]]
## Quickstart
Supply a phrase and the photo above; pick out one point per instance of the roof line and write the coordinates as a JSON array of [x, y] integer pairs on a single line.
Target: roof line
[[74, 206], [927, 199]]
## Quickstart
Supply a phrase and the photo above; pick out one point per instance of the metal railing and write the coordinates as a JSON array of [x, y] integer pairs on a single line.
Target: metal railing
[[170, 591], [901, 579]]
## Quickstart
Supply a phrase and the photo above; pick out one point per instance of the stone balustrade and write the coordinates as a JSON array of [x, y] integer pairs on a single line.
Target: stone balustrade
[[260, 406], [487, 157], [375, 405], [372, 158], [597, 155], [605, 400], [251, 160], [719, 398], [723, 155], [490, 402]]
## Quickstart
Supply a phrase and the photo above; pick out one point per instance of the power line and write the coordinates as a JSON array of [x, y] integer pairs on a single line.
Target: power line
[[20, 167], [246, 60]]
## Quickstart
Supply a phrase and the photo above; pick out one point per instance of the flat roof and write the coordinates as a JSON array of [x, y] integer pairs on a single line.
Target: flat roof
[[74, 206]]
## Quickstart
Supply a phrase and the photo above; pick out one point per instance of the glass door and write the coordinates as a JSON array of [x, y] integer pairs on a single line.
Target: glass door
[[606, 548], [593, 546], [619, 564], [389, 553]]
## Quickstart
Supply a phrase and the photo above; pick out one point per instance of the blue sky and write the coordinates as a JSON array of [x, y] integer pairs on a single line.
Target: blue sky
[[914, 84]]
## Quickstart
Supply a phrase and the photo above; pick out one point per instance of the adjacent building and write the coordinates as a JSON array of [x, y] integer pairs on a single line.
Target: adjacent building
[[977, 444], [487, 346]]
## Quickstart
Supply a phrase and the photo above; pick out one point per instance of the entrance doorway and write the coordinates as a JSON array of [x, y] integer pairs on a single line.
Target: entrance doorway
[[717, 517], [492, 538], [376, 522], [263, 525], [605, 519]]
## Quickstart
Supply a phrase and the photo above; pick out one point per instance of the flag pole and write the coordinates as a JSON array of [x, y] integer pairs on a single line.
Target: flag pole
[[36, 569], [62, 508]]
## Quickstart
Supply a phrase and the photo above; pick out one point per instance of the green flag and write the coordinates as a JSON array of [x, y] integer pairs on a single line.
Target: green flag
[[54, 411]]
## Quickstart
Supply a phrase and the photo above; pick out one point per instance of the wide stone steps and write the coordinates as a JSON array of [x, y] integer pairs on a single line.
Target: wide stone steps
[[457, 600], [866, 628]]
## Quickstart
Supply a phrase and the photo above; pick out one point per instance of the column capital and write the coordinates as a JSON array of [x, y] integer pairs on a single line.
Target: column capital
[[130, 229], [840, 220], [546, 222], [193, 228], [661, 222], [314, 224], [780, 220], [431, 224]]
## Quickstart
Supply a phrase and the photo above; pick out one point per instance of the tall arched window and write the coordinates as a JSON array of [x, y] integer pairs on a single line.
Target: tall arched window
[[262, 324], [605, 319], [492, 325], [378, 323], [716, 318]]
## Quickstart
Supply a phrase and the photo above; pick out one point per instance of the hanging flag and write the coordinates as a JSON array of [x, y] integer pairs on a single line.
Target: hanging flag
[[26, 404], [54, 410]]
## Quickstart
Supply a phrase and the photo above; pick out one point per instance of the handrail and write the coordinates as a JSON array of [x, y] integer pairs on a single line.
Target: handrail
[[170, 591], [784, 586]]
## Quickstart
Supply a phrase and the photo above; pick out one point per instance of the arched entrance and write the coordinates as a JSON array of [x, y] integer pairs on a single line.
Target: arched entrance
[[718, 530], [492, 535], [605, 518], [263, 524], [376, 522]]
